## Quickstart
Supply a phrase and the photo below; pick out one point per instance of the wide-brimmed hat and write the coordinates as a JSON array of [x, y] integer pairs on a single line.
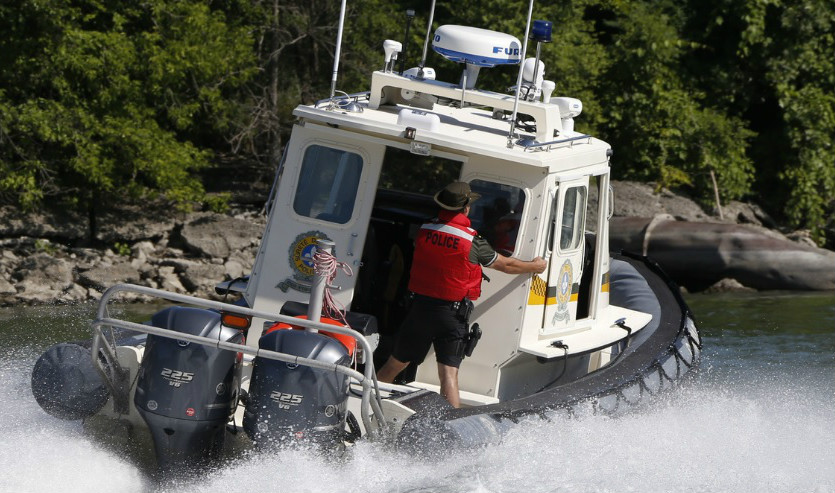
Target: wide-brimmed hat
[[456, 196]]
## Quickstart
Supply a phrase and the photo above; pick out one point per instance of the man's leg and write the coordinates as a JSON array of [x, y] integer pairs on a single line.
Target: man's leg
[[448, 376], [391, 369]]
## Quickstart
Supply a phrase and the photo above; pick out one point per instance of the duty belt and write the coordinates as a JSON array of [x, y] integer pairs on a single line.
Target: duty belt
[[437, 301]]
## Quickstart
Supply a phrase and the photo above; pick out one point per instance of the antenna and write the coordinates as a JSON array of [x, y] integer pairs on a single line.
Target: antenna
[[426, 40], [338, 49], [410, 15], [519, 78]]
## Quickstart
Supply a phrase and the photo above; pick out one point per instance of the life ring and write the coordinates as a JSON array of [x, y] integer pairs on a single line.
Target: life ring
[[349, 342]]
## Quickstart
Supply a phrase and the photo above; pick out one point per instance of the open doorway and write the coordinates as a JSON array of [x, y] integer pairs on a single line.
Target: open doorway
[[403, 202]]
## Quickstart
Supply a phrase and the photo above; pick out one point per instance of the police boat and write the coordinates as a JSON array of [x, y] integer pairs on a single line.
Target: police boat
[[293, 359]]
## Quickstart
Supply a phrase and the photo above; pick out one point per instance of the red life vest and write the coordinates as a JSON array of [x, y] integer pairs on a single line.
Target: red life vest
[[441, 266]]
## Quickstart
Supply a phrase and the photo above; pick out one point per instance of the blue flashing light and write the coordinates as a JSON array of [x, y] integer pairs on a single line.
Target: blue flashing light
[[541, 31]]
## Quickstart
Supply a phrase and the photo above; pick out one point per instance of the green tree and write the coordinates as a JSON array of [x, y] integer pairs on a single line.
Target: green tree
[[661, 125], [292, 45], [105, 101], [102, 100], [770, 63]]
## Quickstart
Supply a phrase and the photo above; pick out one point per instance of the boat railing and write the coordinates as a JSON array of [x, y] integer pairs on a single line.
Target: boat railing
[[118, 379], [532, 145], [343, 101]]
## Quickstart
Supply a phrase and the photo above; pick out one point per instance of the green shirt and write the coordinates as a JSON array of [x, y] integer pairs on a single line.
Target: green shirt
[[482, 253]]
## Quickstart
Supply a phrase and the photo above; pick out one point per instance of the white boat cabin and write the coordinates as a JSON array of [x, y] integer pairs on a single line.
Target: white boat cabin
[[361, 170]]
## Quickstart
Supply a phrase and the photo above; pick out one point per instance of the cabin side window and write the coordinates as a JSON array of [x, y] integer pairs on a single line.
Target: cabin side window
[[328, 184], [573, 218], [498, 213]]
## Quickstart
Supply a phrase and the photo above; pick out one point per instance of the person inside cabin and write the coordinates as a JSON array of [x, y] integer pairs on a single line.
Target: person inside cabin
[[444, 280]]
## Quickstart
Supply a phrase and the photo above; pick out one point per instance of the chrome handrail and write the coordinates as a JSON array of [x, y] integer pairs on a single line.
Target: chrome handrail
[[100, 342], [529, 144]]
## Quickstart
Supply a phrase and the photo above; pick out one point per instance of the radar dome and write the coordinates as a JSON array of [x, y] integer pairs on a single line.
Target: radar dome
[[475, 46]]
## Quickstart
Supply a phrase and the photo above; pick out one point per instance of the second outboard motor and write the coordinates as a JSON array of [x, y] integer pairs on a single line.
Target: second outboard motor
[[186, 391], [289, 403]]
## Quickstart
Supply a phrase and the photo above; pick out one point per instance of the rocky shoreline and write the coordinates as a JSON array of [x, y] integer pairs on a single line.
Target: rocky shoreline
[[183, 253], [191, 252]]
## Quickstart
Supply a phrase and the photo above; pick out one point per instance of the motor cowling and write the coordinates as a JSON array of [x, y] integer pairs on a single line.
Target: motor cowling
[[186, 392], [66, 384], [288, 403]]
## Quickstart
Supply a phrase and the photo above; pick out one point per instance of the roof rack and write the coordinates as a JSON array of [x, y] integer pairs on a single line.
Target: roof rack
[[388, 88]]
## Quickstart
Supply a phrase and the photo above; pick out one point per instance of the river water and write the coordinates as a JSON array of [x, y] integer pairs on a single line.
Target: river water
[[759, 417]]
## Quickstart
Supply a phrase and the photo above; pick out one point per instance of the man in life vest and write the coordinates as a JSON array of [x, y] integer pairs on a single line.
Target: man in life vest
[[445, 278]]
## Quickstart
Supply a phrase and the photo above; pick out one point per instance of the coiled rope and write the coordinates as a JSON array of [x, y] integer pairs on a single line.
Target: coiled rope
[[326, 265]]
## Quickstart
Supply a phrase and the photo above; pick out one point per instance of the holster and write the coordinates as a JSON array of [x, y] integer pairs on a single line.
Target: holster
[[470, 342], [465, 309]]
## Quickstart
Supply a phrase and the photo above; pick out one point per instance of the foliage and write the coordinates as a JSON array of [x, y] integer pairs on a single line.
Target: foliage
[[121, 249], [218, 203], [105, 100], [661, 126], [102, 100], [769, 62], [45, 246]]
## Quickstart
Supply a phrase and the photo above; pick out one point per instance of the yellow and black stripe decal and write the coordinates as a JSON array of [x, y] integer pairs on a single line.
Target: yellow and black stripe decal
[[543, 294], [539, 291]]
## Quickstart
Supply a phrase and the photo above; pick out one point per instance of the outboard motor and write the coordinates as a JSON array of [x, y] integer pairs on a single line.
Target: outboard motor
[[186, 392], [288, 403]]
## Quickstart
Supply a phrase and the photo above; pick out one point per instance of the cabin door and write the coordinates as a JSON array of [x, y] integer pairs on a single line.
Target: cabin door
[[326, 191], [566, 248]]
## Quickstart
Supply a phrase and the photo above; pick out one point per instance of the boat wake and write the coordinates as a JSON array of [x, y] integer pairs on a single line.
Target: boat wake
[[719, 433]]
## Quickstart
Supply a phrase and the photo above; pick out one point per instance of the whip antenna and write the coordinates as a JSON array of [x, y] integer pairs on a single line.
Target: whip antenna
[[338, 49], [410, 15], [519, 78], [426, 40]]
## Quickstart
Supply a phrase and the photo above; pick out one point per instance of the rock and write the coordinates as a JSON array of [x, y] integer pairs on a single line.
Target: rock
[[142, 250], [179, 264], [244, 257], [634, 199], [202, 277], [103, 277], [217, 236], [32, 292], [8, 256], [75, 293], [726, 285], [233, 269], [743, 213], [85, 258], [803, 236], [131, 224], [42, 271], [700, 254], [168, 280], [6, 287], [60, 223]]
